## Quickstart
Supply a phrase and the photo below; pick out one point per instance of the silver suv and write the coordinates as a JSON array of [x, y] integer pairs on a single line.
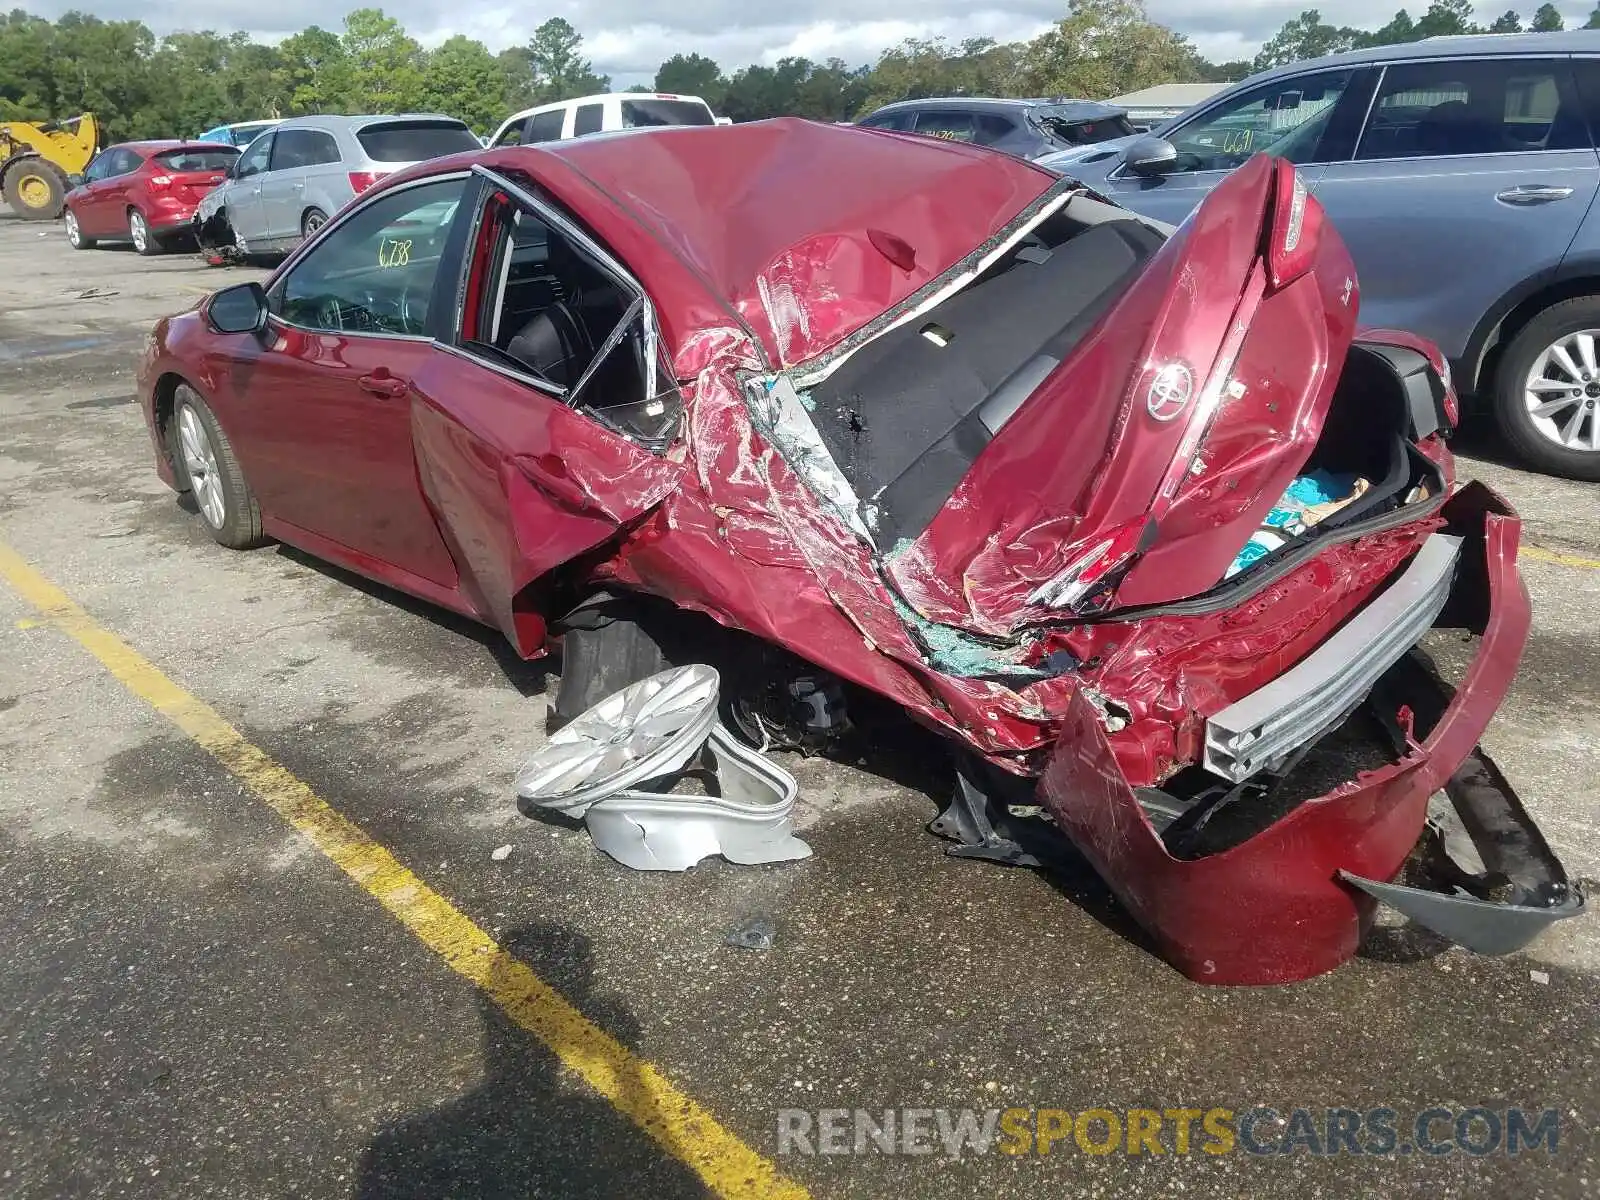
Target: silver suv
[[1462, 174], [292, 178]]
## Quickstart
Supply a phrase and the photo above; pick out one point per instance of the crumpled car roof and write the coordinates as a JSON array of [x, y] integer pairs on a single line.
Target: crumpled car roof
[[784, 221]]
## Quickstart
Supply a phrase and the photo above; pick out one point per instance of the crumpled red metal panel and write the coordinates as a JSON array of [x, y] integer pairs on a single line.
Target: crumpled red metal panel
[[1272, 909], [775, 218]]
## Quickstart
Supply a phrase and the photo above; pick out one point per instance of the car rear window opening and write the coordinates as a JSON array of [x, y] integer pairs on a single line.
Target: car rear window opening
[[414, 141], [1085, 133], [639, 114], [197, 160]]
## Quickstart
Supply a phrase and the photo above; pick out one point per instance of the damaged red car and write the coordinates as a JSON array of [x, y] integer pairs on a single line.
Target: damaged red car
[[1135, 516]]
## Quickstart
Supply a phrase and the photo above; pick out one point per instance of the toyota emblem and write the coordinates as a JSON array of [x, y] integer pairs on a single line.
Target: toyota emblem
[[1170, 391]]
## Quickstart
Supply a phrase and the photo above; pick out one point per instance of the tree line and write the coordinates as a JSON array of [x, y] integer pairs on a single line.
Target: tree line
[[143, 86]]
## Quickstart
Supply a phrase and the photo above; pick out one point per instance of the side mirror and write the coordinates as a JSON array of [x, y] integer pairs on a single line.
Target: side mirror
[[1151, 157], [238, 309]]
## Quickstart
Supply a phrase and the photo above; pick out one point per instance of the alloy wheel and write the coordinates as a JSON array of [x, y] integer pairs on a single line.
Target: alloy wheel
[[201, 462], [139, 231], [313, 222], [1562, 392], [74, 234]]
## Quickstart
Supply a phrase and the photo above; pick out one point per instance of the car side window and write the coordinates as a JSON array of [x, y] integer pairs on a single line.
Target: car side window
[[254, 160], [1288, 118], [897, 121], [100, 168], [950, 124], [590, 118], [1486, 106], [554, 313], [374, 273], [289, 150], [546, 126], [321, 148], [512, 135]]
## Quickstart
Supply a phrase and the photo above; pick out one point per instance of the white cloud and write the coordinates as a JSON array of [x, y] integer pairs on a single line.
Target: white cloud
[[628, 38]]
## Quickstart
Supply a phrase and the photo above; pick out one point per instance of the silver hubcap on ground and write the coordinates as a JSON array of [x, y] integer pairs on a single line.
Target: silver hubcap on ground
[[201, 462], [1562, 392], [74, 235], [637, 734]]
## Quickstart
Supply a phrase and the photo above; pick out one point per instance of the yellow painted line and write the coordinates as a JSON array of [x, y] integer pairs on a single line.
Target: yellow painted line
[[1537, 554], [635, 1087]]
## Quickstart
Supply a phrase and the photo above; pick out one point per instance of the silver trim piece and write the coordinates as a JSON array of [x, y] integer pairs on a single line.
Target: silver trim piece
[[1259, 732]]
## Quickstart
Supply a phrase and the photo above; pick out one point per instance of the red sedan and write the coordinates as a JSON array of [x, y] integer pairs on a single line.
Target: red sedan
[[1133, 516], [144, 192]]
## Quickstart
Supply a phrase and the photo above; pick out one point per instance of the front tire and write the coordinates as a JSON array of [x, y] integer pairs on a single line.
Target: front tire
[[602, 656], [75, 237], [1547, 390], [209, 471], [35, 189]]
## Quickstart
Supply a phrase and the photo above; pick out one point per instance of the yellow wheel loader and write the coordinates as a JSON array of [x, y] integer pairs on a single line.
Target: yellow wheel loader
[[37, 159]]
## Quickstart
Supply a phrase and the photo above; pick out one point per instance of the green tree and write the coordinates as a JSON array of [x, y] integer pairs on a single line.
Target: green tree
[[1594, 19], [385, 63], [466, 81], [1445, 18], [1306, 36], [560, 71], [692, 75], [315, 74], [1506, 22], [1547, 20], [1105, 48]]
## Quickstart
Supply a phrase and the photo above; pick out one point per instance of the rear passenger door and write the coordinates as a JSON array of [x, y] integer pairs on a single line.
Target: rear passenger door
[[244, 194], [546, 126], [1469, 182]]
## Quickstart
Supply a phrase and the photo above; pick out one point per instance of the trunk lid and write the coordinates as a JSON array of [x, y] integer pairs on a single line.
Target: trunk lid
[[191, 174], [1138, 468]]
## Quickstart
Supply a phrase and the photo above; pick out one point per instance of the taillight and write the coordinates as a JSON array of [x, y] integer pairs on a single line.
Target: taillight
[[1296, 226], [1089, 580], [362, 180], [160, 183]]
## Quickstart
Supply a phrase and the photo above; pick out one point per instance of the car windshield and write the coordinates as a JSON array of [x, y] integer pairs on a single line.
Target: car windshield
[[641, 114], [414, 141], [197, 160]]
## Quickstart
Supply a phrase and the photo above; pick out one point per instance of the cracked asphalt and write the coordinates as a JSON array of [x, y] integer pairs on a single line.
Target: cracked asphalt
[[195, 1001]]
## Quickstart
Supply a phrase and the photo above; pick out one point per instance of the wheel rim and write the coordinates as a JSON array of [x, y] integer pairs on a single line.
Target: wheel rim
[[1562, 392], [141, 235], [239, 243], [34, 191], [73, 233], [201, 462], [640, 733], [314, 222]]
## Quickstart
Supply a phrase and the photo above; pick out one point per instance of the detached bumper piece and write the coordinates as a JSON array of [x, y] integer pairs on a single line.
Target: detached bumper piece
[[1261, 731], [1296, 898], [615, 766]]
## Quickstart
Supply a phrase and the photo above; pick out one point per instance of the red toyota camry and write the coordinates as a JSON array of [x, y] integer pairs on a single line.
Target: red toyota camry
[[1134, 516], [144, 193]]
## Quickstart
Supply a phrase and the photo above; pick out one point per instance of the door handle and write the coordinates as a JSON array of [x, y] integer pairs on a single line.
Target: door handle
[[1533, 193], [382, 384]]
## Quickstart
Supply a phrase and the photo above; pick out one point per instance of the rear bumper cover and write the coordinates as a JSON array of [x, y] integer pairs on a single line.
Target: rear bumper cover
[[1294, 900]]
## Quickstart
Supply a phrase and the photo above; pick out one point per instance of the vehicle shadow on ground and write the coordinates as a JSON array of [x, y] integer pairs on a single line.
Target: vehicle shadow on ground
[[529, 1129], [529, 678]]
